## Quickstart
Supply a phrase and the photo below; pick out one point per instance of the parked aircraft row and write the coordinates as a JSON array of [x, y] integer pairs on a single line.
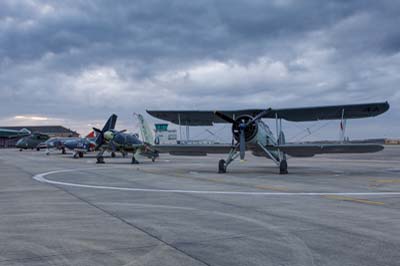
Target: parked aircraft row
[[249, 133]]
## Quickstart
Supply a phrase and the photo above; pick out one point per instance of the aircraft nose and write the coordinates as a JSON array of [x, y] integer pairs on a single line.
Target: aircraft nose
[[108, 135]]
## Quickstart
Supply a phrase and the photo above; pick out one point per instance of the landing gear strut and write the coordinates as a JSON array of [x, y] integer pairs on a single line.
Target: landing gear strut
[[134, 161], [100, 158], [223, 165], [279, 159]]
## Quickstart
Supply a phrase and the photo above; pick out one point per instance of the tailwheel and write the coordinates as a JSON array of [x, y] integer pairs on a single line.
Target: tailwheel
[[283, 167], [134, 161], [221, 166], [100, 160]]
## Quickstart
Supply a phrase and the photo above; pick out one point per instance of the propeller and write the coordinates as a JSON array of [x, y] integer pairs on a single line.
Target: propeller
[[242, 141], [110, 137], [241, 124]]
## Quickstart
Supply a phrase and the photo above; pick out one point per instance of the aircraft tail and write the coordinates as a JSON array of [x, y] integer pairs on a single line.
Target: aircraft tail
[[91, 135], [145, 130], [110, 125]]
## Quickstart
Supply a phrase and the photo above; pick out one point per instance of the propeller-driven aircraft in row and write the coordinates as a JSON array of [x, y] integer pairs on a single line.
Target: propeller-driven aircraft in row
[[32, 141], [80, 146], [111, 140], [251, 133]]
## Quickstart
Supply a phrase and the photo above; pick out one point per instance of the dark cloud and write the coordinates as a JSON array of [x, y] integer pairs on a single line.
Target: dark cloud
[[80, 60]]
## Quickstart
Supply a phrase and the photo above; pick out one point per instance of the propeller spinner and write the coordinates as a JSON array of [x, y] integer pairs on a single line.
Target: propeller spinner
[[244, 128]]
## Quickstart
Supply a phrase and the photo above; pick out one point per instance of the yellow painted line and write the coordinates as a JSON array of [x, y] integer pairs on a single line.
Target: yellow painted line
[[266, 187], [354, 200]]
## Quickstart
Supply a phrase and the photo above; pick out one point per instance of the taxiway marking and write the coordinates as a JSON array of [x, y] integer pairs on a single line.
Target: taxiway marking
[[42, 178], [364, 201]]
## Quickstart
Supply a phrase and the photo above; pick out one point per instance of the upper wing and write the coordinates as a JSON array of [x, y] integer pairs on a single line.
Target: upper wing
[[208, 118], [192, 150], [309, 150]]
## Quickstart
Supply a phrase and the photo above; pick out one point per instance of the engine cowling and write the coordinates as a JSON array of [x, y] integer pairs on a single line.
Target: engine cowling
[[250, 132]]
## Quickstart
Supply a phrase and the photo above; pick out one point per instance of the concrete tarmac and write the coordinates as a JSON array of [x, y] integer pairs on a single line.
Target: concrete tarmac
[[329, 210]]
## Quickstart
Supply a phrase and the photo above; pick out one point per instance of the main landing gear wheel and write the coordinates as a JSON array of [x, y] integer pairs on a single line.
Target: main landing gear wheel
[[80, 154], [134, 161], [63, 151], [100, 160], [153, 159], [283, 167], [221, 166], [113, 155]]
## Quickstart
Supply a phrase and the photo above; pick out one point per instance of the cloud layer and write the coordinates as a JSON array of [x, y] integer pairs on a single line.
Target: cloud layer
[[79, 61]]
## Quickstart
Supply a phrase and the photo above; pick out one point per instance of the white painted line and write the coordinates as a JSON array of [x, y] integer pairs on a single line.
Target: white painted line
[[42, 178]]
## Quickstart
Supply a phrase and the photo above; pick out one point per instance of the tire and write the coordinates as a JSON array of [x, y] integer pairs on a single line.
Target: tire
[[113, 155], [283, 167], [221, 166], [80, 154]]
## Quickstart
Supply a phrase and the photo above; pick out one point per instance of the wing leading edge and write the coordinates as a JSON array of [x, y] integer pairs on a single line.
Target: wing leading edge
[[302, 114]]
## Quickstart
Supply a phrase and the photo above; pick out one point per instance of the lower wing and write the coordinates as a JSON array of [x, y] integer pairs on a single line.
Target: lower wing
[[309, 150], [192, 149]]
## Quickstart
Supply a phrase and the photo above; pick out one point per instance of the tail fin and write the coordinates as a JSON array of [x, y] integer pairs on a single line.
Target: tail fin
[[110, 124], [147, 135], [90, 135]]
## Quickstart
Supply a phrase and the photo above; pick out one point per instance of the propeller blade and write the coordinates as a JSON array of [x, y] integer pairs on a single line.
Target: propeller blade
[[242, 143], [122, 131], [259, 116], [224, 117], [97, 130]]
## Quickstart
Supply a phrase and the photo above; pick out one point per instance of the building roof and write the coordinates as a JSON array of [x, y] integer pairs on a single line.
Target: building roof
[[44, 129]]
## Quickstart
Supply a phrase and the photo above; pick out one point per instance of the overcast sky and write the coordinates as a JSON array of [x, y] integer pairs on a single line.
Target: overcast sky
[[75, 62]]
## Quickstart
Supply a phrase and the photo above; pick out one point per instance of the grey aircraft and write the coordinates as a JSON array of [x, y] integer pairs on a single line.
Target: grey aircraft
[[80, 146], [109, 139], [56, 143], [32, 141], [250, 133]]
